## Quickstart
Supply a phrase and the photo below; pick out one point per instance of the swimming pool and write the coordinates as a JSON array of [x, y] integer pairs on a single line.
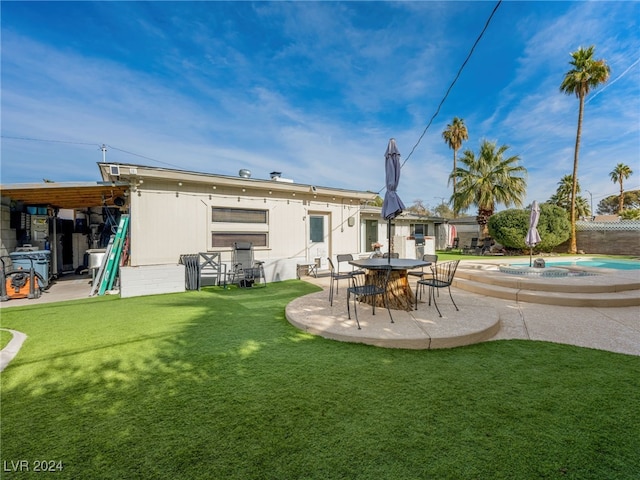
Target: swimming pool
[[592, 262]]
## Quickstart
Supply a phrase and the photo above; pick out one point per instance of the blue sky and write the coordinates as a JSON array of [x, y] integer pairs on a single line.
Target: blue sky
[[315, 89]]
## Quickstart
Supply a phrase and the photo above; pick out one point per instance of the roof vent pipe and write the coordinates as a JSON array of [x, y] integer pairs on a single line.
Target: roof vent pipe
[[275, 175], [244, 173]]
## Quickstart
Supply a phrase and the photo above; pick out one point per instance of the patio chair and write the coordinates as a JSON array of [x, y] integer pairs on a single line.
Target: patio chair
[[471, 249], [347, 257], [427, 257], [486, 245], [336, 276], [455, 245], [443, 274], [245, 270], [361, 289], [393, 255], [212, 269]]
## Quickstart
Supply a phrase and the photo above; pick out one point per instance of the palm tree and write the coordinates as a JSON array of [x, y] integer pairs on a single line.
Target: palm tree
[[562, 197], [488, 179], [586, 73], [618, 175], [454, 135]]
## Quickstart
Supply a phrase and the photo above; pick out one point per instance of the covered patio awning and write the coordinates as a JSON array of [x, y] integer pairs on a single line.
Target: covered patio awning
[[67, 195]]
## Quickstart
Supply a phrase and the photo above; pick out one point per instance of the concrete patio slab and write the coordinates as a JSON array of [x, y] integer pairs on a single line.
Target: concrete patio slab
[[480, 318], [417, 329]]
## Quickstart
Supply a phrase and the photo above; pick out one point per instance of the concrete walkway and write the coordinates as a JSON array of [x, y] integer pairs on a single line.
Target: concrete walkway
[[11, 350]]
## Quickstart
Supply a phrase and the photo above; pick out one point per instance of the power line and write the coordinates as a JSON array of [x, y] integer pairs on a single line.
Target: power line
[[100, 146], [46, 140], [142, 156], [486, 25]]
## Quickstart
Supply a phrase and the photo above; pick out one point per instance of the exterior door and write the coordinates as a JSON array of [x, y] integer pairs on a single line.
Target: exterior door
[[370, 234], [318, 248]]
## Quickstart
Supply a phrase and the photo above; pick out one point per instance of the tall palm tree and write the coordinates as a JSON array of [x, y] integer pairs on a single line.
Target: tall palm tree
[[488, 179], [587, 73], [618, 175], [454, 135]]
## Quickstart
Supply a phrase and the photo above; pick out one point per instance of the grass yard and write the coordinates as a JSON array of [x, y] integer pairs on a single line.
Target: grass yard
[[5, 338], [217, 385]]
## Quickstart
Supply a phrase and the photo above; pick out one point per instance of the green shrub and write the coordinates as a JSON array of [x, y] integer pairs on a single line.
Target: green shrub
[[510, 227], [630, 214]]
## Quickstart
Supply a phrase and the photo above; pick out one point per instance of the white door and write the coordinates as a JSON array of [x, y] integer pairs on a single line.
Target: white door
[[318, 239]]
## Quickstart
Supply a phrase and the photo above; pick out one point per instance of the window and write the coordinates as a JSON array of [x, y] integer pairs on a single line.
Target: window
[[239, 225], [238, 215], [227, 239], [419, 229], [316, 229]]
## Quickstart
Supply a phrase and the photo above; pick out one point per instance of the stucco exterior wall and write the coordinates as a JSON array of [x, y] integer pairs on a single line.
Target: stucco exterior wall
[[169, 220]]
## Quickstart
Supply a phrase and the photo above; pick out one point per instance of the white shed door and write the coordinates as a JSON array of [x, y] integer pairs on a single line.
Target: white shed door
[[318, 241]]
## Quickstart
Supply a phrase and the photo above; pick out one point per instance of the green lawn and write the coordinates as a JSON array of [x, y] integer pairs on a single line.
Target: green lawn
[[217, 385], [5, 338]]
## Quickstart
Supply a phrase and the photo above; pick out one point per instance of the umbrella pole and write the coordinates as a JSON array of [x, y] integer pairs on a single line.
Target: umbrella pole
[[530, 255], [389, 240]]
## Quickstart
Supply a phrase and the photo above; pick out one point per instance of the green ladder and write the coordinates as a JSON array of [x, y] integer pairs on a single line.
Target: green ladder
[[113, 261]]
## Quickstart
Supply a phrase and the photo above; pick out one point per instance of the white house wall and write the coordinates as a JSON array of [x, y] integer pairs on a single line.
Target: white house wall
[[169, 220]]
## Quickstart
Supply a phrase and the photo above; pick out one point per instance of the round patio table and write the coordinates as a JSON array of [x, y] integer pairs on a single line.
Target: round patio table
[[399, 293]]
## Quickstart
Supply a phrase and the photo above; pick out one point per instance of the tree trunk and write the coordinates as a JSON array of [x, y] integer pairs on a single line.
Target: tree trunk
[[621, 204], [399, 294], [573, 247], [455, 212]]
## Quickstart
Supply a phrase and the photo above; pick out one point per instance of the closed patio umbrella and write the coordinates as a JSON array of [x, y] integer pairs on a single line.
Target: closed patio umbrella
[[533, 237], [392, 205]]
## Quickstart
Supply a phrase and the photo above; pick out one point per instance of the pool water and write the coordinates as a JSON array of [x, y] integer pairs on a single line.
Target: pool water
[[599, 263]]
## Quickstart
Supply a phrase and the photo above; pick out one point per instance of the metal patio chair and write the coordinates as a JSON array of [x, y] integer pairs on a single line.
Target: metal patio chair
[[245, 270], [422, 273], [471, 249], [455, 245], [336, 275], [427, 257], [361, 289], [487, 242], [443, 274]]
